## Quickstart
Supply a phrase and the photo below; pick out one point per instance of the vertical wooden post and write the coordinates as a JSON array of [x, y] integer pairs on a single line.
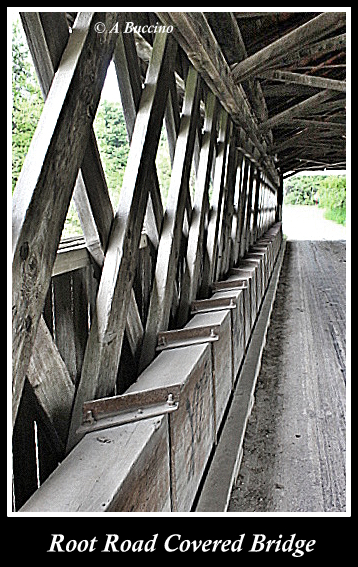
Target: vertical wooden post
[[256, 205], [279, 200]]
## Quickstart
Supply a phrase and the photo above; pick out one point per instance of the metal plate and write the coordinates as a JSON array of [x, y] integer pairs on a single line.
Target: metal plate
[[187, 336], [127, 408]]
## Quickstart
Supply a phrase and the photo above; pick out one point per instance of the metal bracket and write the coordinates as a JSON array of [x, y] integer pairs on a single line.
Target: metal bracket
[[239, 283], [128, 408], [187, 336], [212, 304]]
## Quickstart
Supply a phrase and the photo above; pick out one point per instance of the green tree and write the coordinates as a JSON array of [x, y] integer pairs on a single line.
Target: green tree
[[27, 101], [109, 127], [332, 197], [113, 145], [328, 190]]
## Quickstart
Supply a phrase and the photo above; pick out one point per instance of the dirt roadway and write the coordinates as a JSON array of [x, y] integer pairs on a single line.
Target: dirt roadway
[[294, 449]]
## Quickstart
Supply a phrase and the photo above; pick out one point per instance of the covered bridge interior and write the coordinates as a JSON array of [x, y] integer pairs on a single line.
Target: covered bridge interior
[[128, 343]]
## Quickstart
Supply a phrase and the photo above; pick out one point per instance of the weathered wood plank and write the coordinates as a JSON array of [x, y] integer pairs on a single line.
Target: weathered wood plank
[[247, 207], [168, 249], [307, 105], [324, 125], [301, 36], [103, 349], [224, 239], [46, 182], [216, 200], [138, 481], [47, 35], [237, 298], [237, 208], [308, 80], [130, 87], [54, 30], [317, 49], [222, 357], [191, 426], [192, 432], [51, 381], [200, 206]]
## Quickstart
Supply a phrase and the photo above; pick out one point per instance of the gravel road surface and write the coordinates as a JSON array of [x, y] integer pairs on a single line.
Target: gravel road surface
[[295, 446]]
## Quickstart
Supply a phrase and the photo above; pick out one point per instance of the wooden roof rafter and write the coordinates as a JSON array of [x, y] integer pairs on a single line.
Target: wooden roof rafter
[[302, 36], [294, 57]]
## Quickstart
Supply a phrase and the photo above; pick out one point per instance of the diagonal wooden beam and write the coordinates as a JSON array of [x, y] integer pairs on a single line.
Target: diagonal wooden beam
[[309, 104], [103, 349], [194, 34], [200, 207], [47, 35], [44, 189], [316, 50], [225, 131], [318, 124], [311, 31], [307, 80], [51, 382], [168, 250]]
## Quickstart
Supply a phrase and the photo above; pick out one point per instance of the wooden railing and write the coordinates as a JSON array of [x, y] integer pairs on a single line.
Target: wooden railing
[[87, 313]]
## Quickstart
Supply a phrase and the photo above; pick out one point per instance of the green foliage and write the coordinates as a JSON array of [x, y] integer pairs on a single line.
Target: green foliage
[[332, 195], [302, 190], [27, 102], [329, 191], [163, 166], [111, 134]]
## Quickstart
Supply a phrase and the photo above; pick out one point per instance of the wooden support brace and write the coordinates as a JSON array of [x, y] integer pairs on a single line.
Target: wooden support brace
[[301, 36], [168, 250], [100, 365], [46, 182]]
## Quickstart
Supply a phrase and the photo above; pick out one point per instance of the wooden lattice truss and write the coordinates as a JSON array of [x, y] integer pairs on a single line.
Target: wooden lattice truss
[[181, 79]]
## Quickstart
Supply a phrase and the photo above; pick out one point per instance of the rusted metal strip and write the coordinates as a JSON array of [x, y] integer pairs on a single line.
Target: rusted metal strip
[[212, 304], [188, 336], [127, 408], [238, 283]]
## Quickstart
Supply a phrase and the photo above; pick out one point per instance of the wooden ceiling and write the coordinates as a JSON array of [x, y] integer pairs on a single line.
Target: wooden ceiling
[[292, 67], [288, 68]]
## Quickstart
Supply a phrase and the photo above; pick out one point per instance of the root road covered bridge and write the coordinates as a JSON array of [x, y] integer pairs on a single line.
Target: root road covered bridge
[[133, 345]]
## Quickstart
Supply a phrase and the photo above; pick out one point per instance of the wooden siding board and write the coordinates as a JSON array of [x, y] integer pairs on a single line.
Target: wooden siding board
[[122, 469], [238, 325], [192, 424], [222, 358]]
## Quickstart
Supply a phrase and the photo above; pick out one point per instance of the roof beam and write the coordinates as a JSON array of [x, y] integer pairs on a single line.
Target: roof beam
[[301, 36], [286, 115], [304, 55], [195, 36], [332, 126], [254, 14], [307, 80]]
